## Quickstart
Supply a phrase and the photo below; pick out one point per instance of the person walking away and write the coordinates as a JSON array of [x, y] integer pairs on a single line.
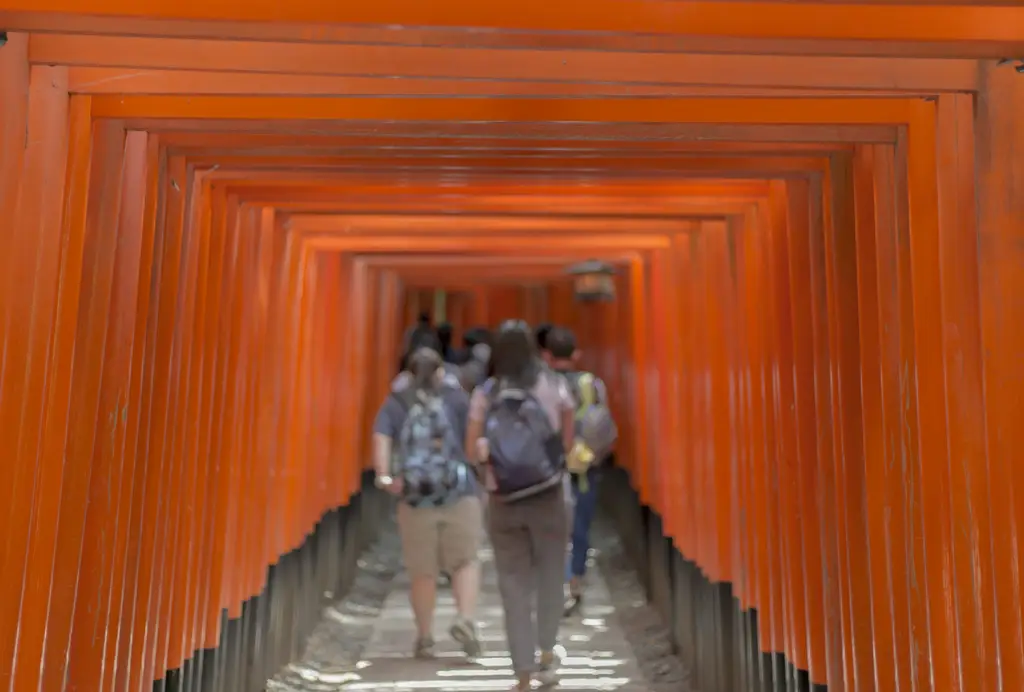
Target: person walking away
[[476, 357], [520, 425], [448, 351], [422, 325], [439, 514], [595, 435], [473, 337], [473, 372], [424, 338], [415, 337]]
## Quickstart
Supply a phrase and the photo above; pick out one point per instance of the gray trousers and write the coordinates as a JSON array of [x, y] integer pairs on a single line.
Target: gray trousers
[[530, 540]]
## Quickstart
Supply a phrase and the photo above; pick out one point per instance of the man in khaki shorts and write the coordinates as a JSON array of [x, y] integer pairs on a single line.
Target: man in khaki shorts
[[439, 514]]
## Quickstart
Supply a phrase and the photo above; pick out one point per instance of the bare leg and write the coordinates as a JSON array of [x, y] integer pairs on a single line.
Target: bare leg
[[420, 533], [461, 530], [466, 589], [423, 595]]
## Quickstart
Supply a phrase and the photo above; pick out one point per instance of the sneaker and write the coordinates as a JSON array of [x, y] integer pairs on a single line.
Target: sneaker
[[464, 632], [424, 648], [547, 676], [572, 605]]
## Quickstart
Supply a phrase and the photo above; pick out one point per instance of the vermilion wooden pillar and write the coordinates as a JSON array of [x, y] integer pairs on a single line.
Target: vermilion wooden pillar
[[1000, 190]]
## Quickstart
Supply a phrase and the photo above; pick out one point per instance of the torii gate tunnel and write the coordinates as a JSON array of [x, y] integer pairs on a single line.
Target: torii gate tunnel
[[219, 218]]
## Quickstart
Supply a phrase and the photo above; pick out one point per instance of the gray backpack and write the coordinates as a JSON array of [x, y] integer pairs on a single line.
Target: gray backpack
[[429, 452], [525, 454], [595, 426]]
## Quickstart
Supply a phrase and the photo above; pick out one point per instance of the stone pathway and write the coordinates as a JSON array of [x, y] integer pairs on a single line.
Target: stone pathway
[[598, 657], [365, 643], [644, 627]]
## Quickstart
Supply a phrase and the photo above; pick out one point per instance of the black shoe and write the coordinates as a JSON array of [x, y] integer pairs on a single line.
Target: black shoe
[[572, 605]]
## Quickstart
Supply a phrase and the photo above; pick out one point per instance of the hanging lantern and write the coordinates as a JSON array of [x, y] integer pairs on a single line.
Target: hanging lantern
[[593, 281]]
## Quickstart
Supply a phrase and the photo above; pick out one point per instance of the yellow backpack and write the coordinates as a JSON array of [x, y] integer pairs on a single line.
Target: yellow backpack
[[596, 431]]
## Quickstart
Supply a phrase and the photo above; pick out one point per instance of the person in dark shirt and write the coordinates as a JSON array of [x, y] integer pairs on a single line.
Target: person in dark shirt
[[444, 335]]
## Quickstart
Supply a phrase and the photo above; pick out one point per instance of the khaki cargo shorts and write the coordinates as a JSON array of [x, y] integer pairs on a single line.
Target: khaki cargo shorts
[[436, 539]]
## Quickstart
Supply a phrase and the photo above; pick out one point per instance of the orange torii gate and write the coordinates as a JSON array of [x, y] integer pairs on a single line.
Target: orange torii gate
[[214, 210]]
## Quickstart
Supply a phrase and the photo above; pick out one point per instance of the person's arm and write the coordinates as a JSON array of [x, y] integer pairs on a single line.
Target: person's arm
[[568, 429], [567, 414], [385, 429], [381, 454], [475, 425]]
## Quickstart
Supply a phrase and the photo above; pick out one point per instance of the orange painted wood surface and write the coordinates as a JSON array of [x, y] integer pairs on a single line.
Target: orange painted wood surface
[[207, 270], [759, 26]]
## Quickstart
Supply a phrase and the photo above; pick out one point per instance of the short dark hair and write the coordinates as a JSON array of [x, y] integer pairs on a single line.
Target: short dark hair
[[541, 333], [419, 337], [459, 356], [424, 337], [476, 335], [561, 343]]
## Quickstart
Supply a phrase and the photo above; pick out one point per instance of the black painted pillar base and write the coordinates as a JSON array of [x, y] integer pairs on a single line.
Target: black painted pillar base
[[717, 641], [274, 625]]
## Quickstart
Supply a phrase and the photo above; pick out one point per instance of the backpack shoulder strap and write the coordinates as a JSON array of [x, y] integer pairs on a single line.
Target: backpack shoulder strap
[[573, 380], [406, 398], [492, 389], [495, 390]]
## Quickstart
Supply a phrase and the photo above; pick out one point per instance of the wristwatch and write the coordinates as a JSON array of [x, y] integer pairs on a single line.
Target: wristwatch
[[384, 481]]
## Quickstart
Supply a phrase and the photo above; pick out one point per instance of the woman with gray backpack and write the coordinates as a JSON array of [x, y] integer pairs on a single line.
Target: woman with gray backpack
[[520, 426], [418, 457]]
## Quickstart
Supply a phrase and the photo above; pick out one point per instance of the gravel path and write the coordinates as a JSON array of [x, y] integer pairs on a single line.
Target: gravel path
[[339, 641], [644, 628]]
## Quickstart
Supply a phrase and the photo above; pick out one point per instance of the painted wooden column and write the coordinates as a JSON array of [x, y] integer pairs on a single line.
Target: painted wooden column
[[1000, 185], [479, 310], [32, 322]]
